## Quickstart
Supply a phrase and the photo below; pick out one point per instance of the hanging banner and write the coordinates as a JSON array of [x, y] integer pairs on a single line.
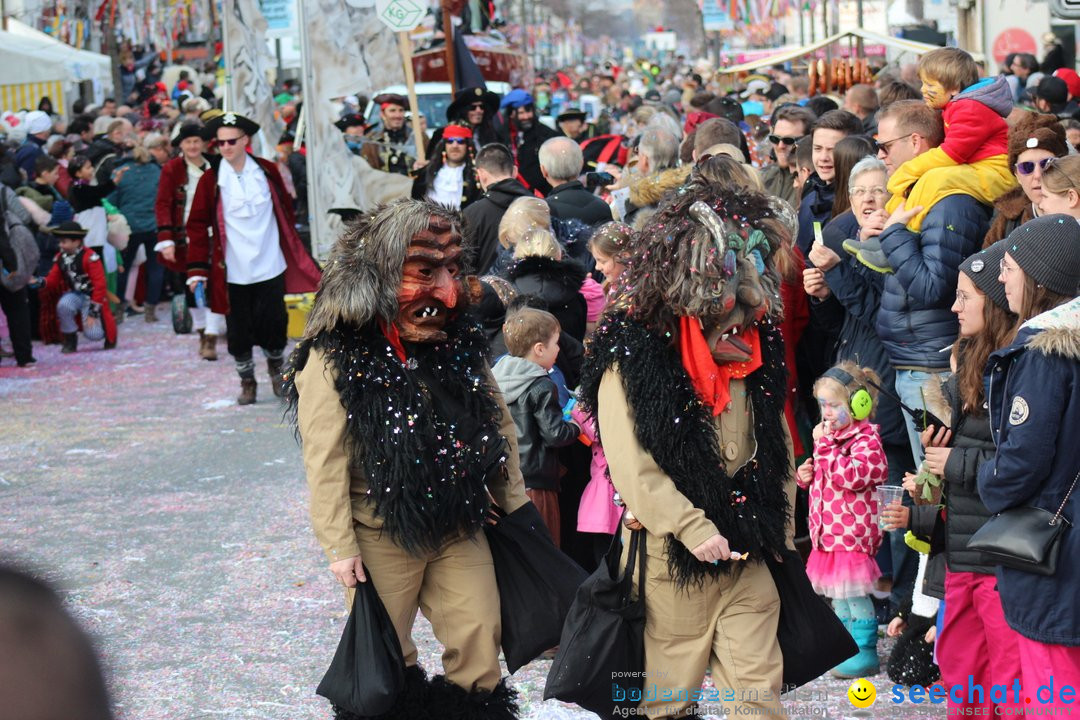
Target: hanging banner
[[346, 51], [247, 67]]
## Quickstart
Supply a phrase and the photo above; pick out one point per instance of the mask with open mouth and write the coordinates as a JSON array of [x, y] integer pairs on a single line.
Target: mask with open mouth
[[431, 288], [709, 256]]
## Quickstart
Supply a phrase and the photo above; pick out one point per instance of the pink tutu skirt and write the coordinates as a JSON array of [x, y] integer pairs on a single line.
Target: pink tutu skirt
[[839, 574]]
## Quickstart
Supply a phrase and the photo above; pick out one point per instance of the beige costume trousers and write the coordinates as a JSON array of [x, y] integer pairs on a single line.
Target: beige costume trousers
[[728, 625], [454, 588]]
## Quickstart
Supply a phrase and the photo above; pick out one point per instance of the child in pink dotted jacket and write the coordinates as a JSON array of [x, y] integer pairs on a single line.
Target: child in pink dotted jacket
[[848, 465]]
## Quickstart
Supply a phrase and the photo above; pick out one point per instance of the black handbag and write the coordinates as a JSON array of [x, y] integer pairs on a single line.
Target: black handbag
[[537, 583], [812, 639], [368, 670], [600, 664], [1024, 538]]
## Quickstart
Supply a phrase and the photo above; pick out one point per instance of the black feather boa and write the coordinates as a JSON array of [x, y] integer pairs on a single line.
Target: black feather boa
[[749, 508], [426, 468]]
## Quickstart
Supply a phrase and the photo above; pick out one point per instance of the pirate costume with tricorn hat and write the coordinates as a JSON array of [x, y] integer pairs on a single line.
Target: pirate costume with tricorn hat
[[488, 130], [78, 279], [244, 249], [390, 149]]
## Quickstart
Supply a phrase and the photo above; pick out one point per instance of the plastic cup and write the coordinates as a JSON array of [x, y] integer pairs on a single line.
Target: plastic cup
[[887, 495]]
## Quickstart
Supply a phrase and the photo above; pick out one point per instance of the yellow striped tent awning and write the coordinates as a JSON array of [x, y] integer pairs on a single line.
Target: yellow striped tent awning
[[25, 96]]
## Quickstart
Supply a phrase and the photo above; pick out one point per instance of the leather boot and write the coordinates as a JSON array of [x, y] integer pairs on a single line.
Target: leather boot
[[247, 391], [70, 343], [276, 381], [207, 346], [150, 313]]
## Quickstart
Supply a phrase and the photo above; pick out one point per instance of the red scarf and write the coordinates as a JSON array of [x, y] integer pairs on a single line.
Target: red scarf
[[712, 381]]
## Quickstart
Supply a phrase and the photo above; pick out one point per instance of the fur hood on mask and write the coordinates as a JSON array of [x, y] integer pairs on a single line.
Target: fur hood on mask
[[362, 275], [651, 189]]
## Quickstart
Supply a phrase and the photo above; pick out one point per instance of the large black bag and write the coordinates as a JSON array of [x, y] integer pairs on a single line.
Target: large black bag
[[537, 582], [368, 670], [603, 641], [812, 638]]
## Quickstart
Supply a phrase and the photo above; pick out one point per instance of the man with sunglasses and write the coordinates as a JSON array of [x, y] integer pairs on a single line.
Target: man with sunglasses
[[244, 253], [789, 124], [915, 320], [450, 177]]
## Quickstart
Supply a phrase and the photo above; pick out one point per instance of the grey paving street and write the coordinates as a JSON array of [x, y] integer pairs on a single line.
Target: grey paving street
[[175, 524]]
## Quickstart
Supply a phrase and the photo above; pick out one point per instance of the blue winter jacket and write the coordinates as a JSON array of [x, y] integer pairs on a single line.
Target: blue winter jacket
[[1033, 390], [916, 321], [136, 193]]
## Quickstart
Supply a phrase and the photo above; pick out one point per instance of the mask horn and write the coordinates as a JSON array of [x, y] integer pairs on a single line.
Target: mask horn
[[706, 216]]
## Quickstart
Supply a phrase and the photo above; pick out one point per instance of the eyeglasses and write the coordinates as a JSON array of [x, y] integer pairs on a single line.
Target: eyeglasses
[[875, 192], [1028, 166], [1054, 162], [961, 299], [231, 141], [886, 147], [1006, 267], [777, 140], [476, 106], [455, 141]]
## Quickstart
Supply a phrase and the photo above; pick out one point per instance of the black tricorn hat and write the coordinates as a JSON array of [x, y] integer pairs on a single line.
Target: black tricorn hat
[[189, 130], [347, 214], [392, 99], [571, 113], [235, 120], [69, 229], [458, 109], [351, 120]]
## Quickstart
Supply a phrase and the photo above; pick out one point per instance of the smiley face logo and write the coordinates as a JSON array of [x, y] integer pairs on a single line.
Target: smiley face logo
[[862, 693]]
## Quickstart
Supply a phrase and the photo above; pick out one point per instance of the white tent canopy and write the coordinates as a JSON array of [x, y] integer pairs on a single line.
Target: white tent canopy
[[31, 60], [911, 46]]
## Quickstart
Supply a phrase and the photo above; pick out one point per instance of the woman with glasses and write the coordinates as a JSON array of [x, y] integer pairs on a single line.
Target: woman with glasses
[[1033, 141], [1061, 187], [1033, 394]]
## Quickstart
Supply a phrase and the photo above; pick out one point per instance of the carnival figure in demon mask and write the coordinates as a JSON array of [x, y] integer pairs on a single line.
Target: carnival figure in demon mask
[[685, 376], [406, 443]]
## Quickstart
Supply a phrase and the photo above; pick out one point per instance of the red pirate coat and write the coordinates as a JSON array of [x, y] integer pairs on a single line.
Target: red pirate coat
[[206, 239], [169, 210], [86, 275]]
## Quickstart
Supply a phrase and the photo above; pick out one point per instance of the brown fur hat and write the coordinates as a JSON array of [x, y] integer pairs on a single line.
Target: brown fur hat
[[1036, 130]]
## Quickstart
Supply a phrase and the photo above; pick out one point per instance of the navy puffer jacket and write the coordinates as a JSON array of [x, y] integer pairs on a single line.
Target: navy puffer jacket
[[1033, 387], [915, 321]]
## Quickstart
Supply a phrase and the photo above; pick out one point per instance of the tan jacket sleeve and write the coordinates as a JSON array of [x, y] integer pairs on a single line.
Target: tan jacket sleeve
[[645, 489], [509, 494], [321, 419], [789, 485]]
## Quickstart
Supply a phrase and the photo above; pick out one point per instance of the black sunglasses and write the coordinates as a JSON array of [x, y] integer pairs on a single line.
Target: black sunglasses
[[477, 106], [231, 141], [777, 140], [1028, 166]]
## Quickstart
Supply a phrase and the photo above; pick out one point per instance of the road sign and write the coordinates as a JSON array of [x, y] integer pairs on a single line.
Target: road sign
[[399, 15]]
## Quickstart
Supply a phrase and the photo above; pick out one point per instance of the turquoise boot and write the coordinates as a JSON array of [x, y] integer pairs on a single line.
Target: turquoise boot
[[865, 663]]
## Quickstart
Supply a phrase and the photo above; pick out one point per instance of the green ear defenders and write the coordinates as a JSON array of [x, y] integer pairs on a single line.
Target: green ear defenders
[[860, 402]]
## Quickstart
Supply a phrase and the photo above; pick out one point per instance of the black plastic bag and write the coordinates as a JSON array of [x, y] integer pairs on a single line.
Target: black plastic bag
[[368, 670], [812, 638], [604, 638], [537, 582]]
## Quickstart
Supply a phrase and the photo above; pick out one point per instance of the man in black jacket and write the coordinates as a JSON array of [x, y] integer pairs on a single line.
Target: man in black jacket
[[495, 172], [560, 164], [527, 134]]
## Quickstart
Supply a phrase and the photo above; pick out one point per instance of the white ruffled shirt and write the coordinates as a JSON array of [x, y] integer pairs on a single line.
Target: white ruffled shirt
[[252, 241], [447, 187]]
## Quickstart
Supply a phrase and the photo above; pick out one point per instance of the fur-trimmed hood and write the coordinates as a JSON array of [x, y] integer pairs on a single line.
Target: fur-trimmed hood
[[650, 190], [1056, 332]]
